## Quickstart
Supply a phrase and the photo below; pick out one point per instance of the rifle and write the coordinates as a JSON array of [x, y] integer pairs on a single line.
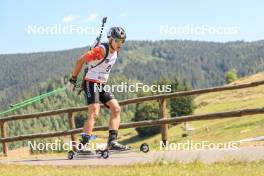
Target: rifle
[[96, 43]]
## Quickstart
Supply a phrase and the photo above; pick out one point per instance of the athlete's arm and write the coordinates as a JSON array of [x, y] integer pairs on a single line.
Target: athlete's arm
[[96, 53]]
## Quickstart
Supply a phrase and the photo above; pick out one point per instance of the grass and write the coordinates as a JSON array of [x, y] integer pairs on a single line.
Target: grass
[[196, 168]]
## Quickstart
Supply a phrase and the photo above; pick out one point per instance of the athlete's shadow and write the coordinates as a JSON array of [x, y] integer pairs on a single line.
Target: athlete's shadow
[[133, 139], [39, 160]]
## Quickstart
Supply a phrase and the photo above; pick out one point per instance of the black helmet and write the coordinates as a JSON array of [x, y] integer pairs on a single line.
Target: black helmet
[[116, 33]]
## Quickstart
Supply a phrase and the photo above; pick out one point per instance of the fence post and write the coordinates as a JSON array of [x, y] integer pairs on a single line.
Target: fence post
[[72, 126], [163, 115], [3, 135]]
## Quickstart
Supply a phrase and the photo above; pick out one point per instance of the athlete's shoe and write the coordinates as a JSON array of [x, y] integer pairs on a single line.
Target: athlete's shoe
[[114, 145], [84, 138], [84, 141]]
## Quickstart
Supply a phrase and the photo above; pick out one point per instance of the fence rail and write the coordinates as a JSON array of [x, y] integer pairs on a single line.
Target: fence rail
[[145, 123]]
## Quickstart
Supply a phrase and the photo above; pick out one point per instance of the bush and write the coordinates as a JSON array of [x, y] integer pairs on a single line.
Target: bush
[[147, 111], [230, 76]]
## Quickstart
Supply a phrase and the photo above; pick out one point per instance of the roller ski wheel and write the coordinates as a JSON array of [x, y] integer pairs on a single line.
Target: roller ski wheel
[[105, 154], [71, 154], [144, 148]]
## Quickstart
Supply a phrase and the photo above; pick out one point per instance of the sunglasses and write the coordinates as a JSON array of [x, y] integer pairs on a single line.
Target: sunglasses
[[120, 41]]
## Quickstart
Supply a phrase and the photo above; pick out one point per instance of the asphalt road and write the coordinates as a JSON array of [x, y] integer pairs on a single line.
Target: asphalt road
[[245, 154]]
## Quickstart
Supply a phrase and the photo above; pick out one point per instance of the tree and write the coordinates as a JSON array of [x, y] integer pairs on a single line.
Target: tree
[[147, 111], [181, 106], [176, 106], [230, 76]]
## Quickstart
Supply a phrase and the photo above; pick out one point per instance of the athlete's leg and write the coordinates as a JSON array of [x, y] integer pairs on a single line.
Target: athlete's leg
[[115, 114], [114, 123], [92, 99], [108, 99], [93, 112]]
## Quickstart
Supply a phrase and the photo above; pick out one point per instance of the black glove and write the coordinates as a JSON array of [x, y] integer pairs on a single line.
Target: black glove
[[71, 85], [73, 80]]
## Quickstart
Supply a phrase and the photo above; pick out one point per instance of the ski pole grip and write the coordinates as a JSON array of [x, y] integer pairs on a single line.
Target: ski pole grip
[[104, 19]]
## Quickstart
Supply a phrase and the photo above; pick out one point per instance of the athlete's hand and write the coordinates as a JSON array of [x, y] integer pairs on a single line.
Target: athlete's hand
[[71, 84]]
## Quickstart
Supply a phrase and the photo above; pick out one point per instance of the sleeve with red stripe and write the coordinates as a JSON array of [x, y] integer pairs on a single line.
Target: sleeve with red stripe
[[96, 53]]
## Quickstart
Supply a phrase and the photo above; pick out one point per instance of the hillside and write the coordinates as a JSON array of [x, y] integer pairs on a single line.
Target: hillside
[[201, 64]]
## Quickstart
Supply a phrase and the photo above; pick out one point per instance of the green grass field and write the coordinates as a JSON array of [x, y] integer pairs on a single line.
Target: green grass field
[[158, 169]]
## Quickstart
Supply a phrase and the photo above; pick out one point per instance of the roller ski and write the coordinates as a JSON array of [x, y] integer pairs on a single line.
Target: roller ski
[[84, 149], [115, 148], [102, 150], [105, 153]]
